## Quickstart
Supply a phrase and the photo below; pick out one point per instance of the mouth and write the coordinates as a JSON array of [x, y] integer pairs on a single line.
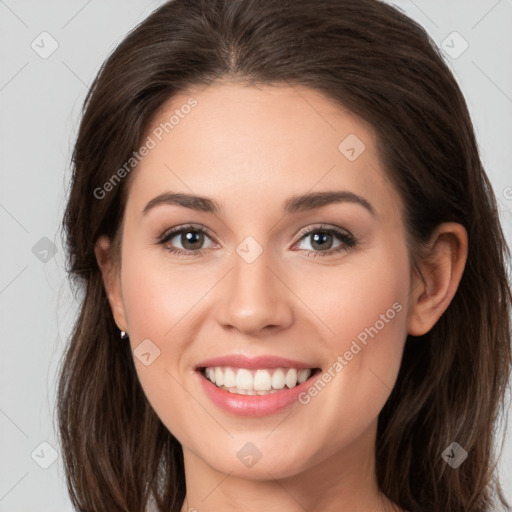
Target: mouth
[[257, 381], [254, 386]]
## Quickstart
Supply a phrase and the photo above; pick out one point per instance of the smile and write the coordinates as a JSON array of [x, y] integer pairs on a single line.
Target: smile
[[254, 386], [244, 381]]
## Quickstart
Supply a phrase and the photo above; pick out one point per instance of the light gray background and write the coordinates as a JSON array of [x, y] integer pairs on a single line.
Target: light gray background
[[40, 101]]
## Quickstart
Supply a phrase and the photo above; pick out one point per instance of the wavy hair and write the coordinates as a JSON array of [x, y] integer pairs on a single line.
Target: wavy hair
[[382, 66]]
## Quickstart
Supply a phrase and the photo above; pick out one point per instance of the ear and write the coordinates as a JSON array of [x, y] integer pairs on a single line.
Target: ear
[[442, 269], [111, 280]]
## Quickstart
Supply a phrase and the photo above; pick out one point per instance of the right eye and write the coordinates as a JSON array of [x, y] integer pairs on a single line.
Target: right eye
[[191, 238]]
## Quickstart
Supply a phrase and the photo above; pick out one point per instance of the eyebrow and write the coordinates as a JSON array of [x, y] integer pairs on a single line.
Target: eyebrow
[[294, 204]]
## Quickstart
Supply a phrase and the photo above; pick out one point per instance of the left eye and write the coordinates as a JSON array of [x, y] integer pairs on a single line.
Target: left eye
[[322, 241]]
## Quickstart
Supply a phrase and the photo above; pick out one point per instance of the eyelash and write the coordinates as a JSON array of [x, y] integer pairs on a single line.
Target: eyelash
[[348, 240]]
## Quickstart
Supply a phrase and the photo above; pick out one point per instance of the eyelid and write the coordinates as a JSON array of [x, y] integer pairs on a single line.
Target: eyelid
[[182, 227], [322, 227]]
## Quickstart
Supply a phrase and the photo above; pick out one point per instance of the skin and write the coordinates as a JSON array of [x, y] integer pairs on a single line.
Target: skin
[[250, 148]]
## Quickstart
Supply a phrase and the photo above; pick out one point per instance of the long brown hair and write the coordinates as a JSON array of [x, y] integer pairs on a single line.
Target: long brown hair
[[382, 66]]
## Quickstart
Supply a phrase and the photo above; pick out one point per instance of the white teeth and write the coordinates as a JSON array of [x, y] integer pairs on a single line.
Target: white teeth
[[262, 380], [244, 379], [249, 391], [210, 374], [291, 378], [229, 378], [256, 382], [278, 379], [302, 375], [219, 377]]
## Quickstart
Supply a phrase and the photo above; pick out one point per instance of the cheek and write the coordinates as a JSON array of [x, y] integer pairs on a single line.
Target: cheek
[[158, 295], [363, 300], [159, 302], [367, 312], [156, 305]]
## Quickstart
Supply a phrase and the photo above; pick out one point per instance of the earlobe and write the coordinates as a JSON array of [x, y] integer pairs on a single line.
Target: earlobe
[[442, 270], [111, 280]]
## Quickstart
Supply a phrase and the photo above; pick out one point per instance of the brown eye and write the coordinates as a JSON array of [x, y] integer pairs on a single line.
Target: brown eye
[[322, 240], [186, 240], [191, 239]]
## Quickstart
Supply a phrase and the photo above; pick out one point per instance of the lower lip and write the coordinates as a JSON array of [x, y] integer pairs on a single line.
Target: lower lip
[[253, 405]]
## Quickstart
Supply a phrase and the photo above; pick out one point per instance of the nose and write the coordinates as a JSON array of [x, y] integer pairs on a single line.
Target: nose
[[255, 297]]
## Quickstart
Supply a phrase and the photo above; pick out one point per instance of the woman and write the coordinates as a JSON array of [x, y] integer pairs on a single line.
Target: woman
[[294, 276]]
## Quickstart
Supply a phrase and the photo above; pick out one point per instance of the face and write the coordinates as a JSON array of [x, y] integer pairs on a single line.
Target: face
[[296, 307]]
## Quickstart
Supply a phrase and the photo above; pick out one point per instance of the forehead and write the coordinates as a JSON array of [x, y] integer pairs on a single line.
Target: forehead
[[253, 143]]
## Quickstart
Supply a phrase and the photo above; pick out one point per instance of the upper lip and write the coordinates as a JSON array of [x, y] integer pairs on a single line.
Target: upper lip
[[264, 361]]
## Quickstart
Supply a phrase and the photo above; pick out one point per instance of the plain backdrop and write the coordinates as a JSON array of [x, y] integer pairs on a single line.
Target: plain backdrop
[[50, 52]]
